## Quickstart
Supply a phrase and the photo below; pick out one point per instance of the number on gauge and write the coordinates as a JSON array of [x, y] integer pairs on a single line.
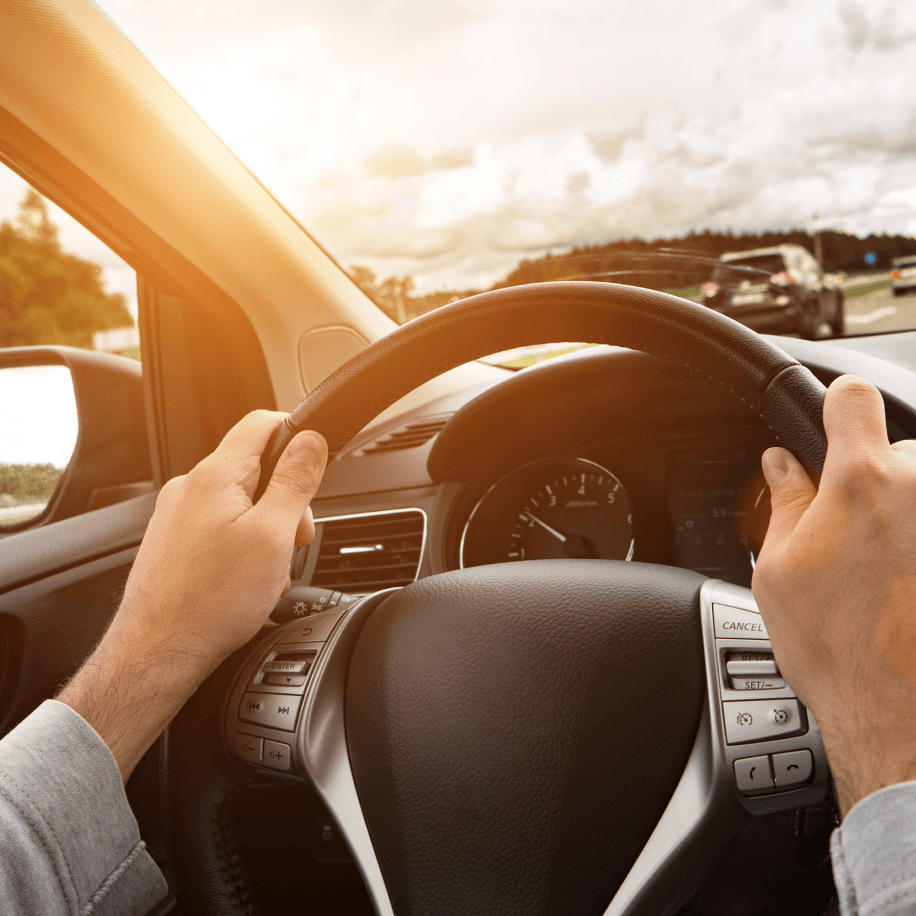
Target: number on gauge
[[551, 509]]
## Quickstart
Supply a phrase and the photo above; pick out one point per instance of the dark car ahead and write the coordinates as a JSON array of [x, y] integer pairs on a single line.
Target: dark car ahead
[[903, 275], [778, 290]]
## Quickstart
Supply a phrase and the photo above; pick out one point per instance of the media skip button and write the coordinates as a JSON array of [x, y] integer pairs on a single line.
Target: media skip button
[[270, 709]]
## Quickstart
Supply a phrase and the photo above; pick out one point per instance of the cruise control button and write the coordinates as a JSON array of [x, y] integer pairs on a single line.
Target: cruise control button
[[270, 709], [753, 775], [737, 667], [763, 720], [312, 629], [249, 748], [277, 756], [792, 769], [734, 622], [757, 683]]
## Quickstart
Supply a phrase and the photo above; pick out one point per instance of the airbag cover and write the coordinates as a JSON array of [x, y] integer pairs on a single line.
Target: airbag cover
[[516, 731]]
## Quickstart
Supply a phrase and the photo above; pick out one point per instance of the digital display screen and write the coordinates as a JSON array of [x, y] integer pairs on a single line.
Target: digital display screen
[[710, 500]]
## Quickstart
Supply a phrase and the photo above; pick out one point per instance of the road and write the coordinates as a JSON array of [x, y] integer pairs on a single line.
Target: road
[[878, 310]]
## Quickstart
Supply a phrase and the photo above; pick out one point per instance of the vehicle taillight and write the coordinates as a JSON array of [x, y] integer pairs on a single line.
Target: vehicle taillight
[[783, 278], [895, 274], [709, 289]]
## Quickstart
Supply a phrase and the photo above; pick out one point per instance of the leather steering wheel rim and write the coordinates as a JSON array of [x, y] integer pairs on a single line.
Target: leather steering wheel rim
[[787, 397], [199, 782]]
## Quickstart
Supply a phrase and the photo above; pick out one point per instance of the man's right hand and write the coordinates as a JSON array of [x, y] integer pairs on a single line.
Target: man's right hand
[[836, 585]]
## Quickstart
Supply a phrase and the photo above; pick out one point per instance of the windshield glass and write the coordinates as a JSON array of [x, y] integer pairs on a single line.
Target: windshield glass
[[438, 149]]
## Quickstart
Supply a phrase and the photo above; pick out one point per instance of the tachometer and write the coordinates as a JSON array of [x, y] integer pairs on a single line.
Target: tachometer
[[549, 509]]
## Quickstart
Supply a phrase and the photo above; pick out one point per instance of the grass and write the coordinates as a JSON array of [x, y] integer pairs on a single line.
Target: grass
[[856, 291]]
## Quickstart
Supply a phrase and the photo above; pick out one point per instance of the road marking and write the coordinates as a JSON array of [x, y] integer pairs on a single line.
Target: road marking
[[884, 312]]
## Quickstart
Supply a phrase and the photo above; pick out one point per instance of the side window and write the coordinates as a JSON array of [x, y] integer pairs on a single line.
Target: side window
[[59, 287]]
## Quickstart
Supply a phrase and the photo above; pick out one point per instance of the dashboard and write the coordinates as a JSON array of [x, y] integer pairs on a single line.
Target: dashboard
[[606, 453]]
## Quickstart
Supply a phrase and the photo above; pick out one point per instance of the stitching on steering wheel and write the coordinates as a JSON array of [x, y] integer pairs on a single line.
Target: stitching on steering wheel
[[228, 851]]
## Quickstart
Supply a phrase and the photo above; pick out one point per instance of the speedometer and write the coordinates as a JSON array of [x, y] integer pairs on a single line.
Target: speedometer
[[550, 509]]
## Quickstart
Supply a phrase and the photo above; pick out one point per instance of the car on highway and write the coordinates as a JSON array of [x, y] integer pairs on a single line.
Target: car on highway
[[903, 275], [530, 672], [778, 290]]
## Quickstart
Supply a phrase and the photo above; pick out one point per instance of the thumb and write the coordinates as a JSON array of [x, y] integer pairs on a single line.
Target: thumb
[[295, 479], [791, 492]]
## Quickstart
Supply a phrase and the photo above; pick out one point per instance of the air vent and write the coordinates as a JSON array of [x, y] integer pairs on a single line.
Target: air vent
[[411, 436], [361, 554]]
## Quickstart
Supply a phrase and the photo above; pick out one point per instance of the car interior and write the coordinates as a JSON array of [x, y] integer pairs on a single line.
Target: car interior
[[475, 734]]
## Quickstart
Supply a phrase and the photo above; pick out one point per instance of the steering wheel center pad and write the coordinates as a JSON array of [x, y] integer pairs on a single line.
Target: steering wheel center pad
[[786, 395], [472, 695]]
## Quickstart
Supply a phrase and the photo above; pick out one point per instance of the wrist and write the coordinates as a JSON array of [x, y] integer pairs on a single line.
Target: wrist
[[131, 688], [867, 762]]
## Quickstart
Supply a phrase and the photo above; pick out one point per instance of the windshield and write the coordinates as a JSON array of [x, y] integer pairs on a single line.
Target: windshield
[[438, 149]]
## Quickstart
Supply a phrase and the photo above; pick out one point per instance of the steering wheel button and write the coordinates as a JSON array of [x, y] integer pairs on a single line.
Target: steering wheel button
[[312, 629], [285, 680], [763, 720], [287, 667], [753, 775], [277, 756], [270, 709], [793, 769], [734, 623], [757, 683], [762, 668], [249, 748]]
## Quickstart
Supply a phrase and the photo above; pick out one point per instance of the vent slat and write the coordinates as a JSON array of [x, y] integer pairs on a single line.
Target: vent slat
[[400, 535], [411, 436]]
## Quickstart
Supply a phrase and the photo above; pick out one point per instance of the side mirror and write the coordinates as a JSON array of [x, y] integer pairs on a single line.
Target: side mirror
[[73, 434]]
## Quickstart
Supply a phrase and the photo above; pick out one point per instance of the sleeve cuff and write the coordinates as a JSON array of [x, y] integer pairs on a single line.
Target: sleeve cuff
[[63, 779], [874, 854]]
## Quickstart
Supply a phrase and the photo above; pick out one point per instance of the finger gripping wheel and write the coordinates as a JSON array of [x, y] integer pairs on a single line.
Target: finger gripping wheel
[[786, 395]]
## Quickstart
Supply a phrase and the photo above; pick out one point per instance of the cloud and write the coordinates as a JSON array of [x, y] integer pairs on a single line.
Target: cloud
[[397, 160], [450, 139]]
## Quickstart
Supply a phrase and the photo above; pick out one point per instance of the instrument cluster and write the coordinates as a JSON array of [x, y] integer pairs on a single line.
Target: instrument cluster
[[695, 505]]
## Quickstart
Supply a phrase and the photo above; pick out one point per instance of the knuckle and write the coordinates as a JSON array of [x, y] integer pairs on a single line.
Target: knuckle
[[170, 490], [263, 416], [866, 478]]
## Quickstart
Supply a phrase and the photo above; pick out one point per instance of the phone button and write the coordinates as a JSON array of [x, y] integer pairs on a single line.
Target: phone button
[[792, 769], [753, 775]]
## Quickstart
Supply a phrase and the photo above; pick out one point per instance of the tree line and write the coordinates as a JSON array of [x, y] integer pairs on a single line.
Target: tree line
[[664, 264], [27, 483]]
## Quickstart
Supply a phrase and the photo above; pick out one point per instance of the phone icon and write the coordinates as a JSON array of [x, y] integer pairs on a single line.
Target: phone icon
[[753, 770], [792, 766]]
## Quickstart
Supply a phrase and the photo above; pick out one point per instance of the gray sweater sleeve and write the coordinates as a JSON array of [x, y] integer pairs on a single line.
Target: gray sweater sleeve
[[69, 843], [874, 854]]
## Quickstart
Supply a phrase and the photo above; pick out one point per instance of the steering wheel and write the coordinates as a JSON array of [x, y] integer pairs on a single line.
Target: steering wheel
[[543, 737]]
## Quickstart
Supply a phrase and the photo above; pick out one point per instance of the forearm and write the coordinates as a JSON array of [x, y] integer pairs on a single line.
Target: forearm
[[131, 688]]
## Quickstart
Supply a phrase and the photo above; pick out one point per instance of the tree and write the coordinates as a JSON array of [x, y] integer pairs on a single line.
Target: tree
[[392, 295], [48, 296]]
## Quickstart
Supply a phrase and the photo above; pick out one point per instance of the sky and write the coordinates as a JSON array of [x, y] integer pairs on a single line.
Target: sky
[[30, 392], [449, 139]]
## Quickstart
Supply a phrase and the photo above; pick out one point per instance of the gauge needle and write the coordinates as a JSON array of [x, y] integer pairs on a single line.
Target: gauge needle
[[546, 527], [573, 545]]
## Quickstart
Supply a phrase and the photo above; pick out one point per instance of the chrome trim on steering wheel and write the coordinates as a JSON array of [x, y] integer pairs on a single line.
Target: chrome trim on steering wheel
[[321, 745]]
